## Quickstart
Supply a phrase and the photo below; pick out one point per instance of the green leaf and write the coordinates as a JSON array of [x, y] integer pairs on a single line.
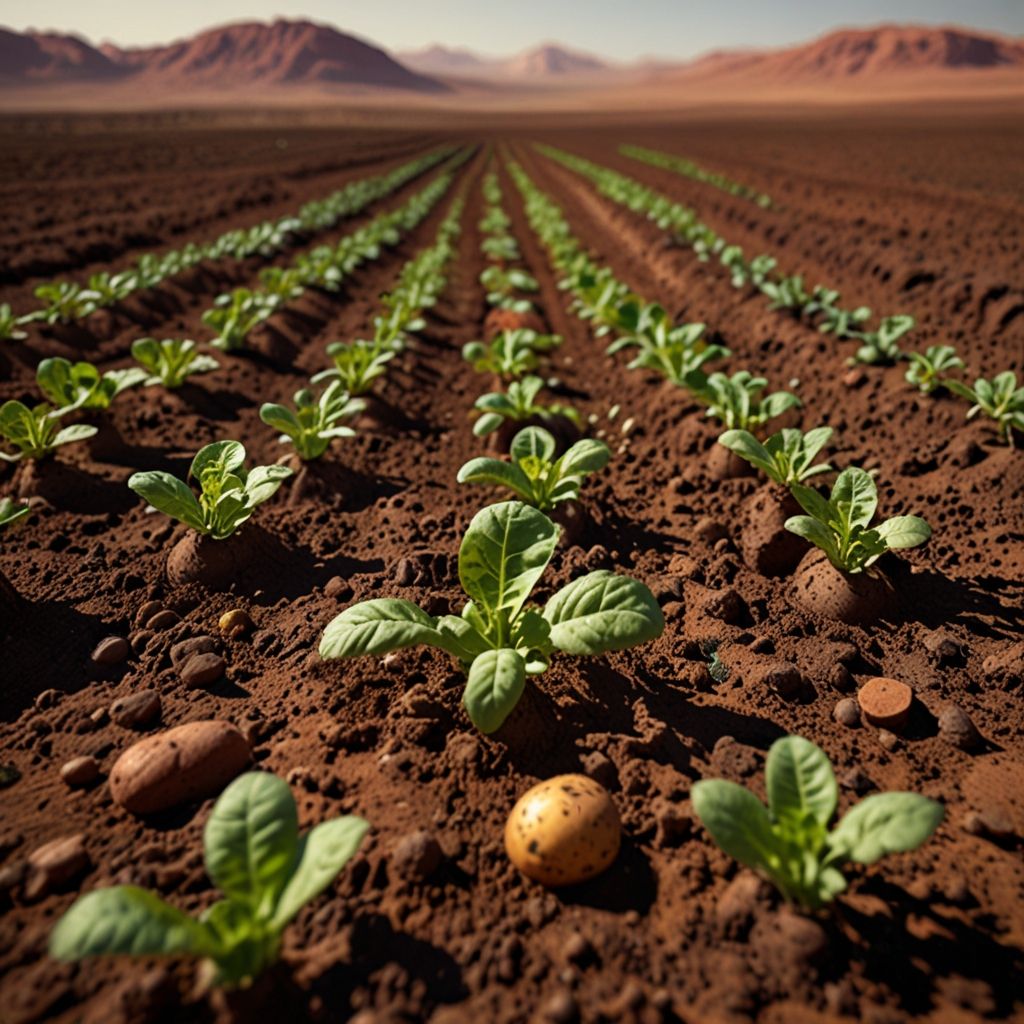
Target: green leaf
[[737, 821], [746, 446], [533, 441], [903, 531], [75, 432], [127, 919], [503, 554], [800, 783], [603, 612], [855, 498], [377, 627], [251, 841], [812, 530], [280, 418], [223, 457], [586, 456], [169, 495], [322, 854], [262, 483], [493, 471], [884, 823], [495, 684]]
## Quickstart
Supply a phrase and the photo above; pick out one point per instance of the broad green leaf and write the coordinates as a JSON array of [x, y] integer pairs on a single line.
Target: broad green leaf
[[884, 823], [251, 839], [487, 424], [586, 456], [127, 919], [460, 637], [800, 783], [75, 432], [737, 821], [746, 446], [280, 418], [169, 495], [376, 627], [812, 530], [855, 498], [222, 456], [263, 482], [903, 531], [495, 684], [533, 441], [812, 503], [493, 471], [603, 612], [323, 852], [504, 552]]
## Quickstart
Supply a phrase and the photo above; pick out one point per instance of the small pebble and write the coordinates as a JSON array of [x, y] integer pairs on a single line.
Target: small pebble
[[847, 712], [163, 620], [55, 864], [80, 771], [235, 623], [578, 949], [202, 669], [841, 679], [137, 710], [147, 611], [417, 855], [782, 677], [111, 651], [956, 727], [337, 589], [885, 702], [561, 1008]]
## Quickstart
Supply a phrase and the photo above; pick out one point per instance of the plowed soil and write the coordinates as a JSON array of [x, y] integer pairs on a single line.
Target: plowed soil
[[915, 214]]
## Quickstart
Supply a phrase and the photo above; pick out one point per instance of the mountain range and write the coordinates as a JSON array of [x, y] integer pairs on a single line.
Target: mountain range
[[260, 57]]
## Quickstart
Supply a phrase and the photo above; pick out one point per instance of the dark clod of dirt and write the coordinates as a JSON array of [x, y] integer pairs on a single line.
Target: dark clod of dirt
[[55, 865], [202, 670], [600, 768], [956, 727], [137, 710], [111, 651], [847, 712], [213, 563], [417, 855], [183, 651], [784, 679], [725, 605], [821, 589]]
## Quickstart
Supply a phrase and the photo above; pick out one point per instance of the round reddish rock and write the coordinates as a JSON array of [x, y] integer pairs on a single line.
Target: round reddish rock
[[55, 864], [163, 620], [202, 669], [885, 702], [137, 710], [111, 651], [80, 771], [190, 762]]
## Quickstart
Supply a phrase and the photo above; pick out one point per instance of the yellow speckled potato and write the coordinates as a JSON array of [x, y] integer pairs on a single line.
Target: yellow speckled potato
[[563, 831]]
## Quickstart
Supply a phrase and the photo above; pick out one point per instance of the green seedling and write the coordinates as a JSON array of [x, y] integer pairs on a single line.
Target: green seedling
[[10, 325], [786, 457], [926, 367], [1000, 399], [171, 361], [510, 355], [736, 402], [881, 347], [36, 433], [533, 472], [789, 841], [841, 524], [256, 856], [65, 302], [235, 314], [503, 282], [357, 365], [229, 494], [11, 511], [72, 386], [315, 421], [499, 639], [517, 404]]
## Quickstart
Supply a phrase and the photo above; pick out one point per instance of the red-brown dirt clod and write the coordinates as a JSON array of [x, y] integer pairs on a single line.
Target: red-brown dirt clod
[[189, 762], [957, 728], [111, 651], [821, 589], [55, 864], [137, 710], [885, 703], [80, 771], [202, 670], [766, 545], [213, 563]]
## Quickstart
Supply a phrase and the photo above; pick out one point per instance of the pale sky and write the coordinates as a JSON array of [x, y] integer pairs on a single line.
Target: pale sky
[[621, 29]]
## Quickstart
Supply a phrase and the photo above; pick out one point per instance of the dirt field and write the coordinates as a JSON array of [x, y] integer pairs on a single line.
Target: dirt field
[[905, 212]]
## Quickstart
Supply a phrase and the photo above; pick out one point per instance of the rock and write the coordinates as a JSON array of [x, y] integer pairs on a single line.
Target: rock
[[840, 678], [185, 649], [417, 855], [782, 677], [137, 710], [405, 573], [956, 727], [337, 589], [561, 1008], [857, 780], [885, 702], [942, 648], [725, 605], [111, 651], [202, 669], [235, 623], [163, 620], [991, 823], [55, 864], [140, 639], [578, 949], [847, 712], [1006, 667], [734, 911], [854, 378], [600, 768], [187, 763], [80, 771], [889, 740], [147, 611]]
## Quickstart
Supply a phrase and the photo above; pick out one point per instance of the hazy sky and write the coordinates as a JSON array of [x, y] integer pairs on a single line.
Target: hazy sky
[[622, 29]]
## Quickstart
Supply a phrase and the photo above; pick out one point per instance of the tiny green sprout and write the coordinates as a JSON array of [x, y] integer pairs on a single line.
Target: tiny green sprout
[[11, 511], [534, 473], [517, 404], [503, 282], [786, 292], [500, 248], [36, 433], [357, 364], [511, 354], [10, 325], [841, 524], [65, 302], [255, 855], [789, 841], [498, 638], [786, 457], [235, 314], [72, 386], [736, 403], [171, 361], [314, 423], [881, 347], [999, 398], [228, 494], [925, 367], [281, 284]]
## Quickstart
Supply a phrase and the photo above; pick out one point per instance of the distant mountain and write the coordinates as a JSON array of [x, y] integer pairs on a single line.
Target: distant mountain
[[443, 60], [239, 56], [853, 54], [551, 59]]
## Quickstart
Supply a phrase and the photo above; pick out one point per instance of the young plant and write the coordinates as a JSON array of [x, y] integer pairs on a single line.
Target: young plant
[[534, 473], [314, 423], [10, 325], [841, 524], [11, 511], [500, 248], [789, 841], [499, 639], [511, 354], [518, 403], [357, 364], [881, 347], [235, 314], [228, 493], [925, 367], [171, 361], [736, 403], [65, 302], [786, 457], [36, 432], [502, 283], [999, 398], [255, 855], [81, 385]]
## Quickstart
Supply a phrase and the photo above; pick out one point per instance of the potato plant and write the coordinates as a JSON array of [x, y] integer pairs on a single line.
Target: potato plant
[[357, 365], [266, 870], [926, 368], [786, 457], [170, 362], [511, 354], [517, 404], [841, 524], [881, 347], [228, 493], [789, 841], [737, 403], [316, 421], [70, 386], [35, 432], [499, 639], [533, 472], [1000, 399]]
